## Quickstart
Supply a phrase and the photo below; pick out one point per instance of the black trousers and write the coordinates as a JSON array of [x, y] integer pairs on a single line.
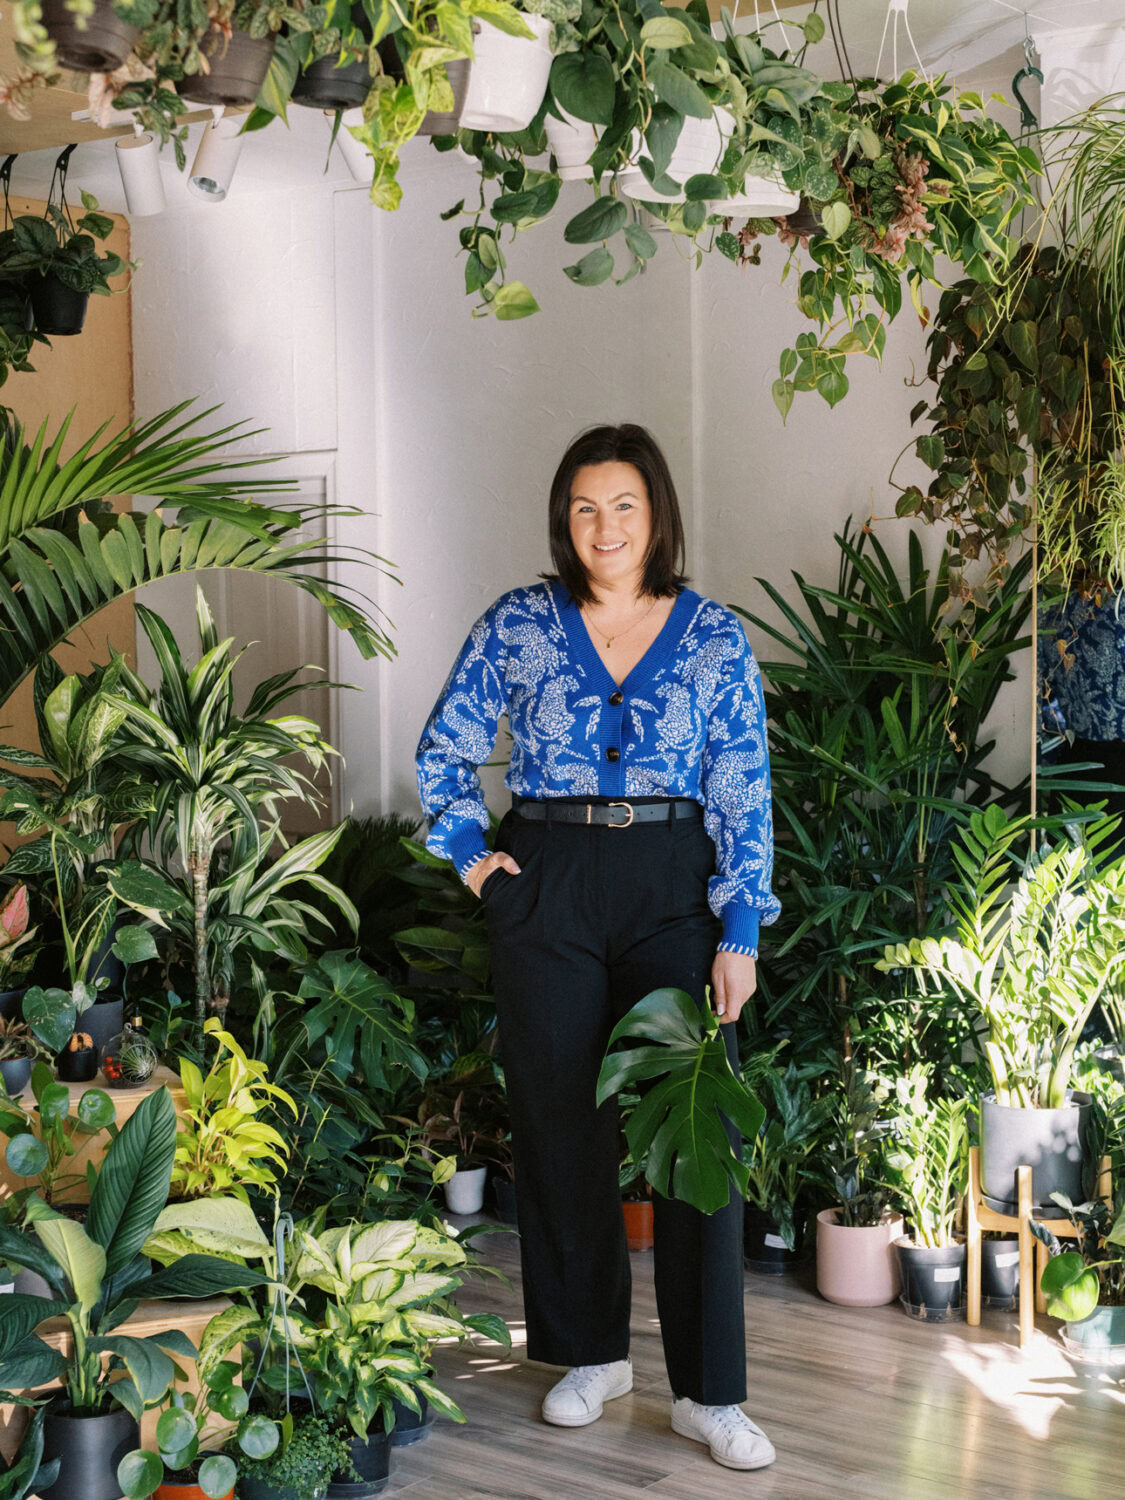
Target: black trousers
[[596, 919]]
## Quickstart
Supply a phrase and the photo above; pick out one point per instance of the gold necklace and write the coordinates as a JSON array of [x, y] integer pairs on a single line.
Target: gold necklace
[[609, 640]]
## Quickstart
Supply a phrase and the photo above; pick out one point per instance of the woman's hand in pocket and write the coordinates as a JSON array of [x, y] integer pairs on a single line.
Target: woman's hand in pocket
[[483, 869]]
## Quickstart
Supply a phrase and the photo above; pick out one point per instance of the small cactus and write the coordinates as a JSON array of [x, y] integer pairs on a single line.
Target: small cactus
[[81, 1041]]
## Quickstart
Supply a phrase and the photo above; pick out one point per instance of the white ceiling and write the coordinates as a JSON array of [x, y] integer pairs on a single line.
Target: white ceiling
[[961, 37]]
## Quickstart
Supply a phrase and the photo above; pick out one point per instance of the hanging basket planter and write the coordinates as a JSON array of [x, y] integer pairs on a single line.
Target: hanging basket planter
[[325, 85], [507, 77], [762, 197], [59, 310], [236, 73], [572, 142], [698, 150], [99, 46]]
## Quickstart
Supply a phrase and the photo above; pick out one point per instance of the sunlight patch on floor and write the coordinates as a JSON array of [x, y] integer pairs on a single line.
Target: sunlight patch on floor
[[1030, 1388]]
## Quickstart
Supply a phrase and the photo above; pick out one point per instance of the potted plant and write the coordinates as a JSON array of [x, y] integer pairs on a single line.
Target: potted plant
[[14, 935], [95, 1277], [191, 1433], [234, 51], [78, 1061], [19, 1047], [40, 1141], [311, 1450], [855, 1264], [929, 1159], [1086, 1287], [467, 1111], [782, 1163], [60, 263], [90, 37], [27, 1474], [1032, 964]]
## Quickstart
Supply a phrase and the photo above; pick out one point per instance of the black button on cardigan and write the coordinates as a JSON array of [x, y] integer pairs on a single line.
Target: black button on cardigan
[[616, 698]]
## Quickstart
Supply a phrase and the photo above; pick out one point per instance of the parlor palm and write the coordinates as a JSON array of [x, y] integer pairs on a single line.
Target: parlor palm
[[219, 779], [64, 555]]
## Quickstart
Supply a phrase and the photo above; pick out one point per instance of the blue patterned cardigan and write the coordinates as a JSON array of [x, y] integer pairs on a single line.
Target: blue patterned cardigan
[[691, 723]]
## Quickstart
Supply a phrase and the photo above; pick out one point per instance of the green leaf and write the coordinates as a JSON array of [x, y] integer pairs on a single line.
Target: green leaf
[[23, 1314], [678, 1128], [132, 1186], [51, 1016], [782, 392], [598, 221], [639, 241], [674, 87], [96, 1111], [665, 33], [175, 1428], [197, 1276], [833, 386], [26, 1155], [1070, 1286], [31, 1363], [835, 217], [151, 1369], [139, 1473], [583, 84], [258, 1437], [135, 944], [513, 300], [931, 450], [592, 269], [704, 186], [217, 1475], [82, 1260]]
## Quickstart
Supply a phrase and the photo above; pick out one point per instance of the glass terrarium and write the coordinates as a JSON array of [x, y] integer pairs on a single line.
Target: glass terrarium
[[129, 1058]]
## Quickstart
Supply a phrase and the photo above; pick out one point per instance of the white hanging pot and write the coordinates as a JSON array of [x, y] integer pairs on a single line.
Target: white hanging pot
[[573, 142], [764, 195], [508, 76], [698, 149]]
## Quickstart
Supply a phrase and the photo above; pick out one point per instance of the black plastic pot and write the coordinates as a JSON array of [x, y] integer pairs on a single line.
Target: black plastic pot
[[103, 1020], [11, 1003], [260, 1489], [803, 220], [764, 1249], [100, 46], [77, 1067], [1052, 1142], [1000, 1272], [323, 85], [504, 1199], [236, 74], [411, 1426], [372, 1458], [933, 1281], [16, 1073], [446, 124], [59, 310], [89, 1450]]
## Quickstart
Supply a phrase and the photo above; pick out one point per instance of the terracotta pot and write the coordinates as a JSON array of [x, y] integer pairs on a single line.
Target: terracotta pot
[[176, 1489], [638, 1224], [856, 1267]]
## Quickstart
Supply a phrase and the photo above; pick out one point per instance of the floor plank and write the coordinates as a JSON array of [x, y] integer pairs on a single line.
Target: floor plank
[[861, 1404]]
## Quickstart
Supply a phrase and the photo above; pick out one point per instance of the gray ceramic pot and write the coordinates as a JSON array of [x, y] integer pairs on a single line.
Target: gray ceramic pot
[[1052, 1142], [16, 1072]]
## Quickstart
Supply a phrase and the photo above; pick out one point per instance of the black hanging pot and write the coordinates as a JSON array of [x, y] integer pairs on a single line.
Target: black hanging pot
[[16, 1073], [323, 85], [764, 1249], [933, 1281], [1000, 1272], [237, 71], [411, 1426], [100, 45], [804, 219], [89, 1448], [11, 1002], [1052, 1142], [59, 310], [371, 1456]]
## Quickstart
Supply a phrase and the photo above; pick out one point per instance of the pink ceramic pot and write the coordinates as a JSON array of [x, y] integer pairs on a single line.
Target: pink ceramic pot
[[856, 1267]]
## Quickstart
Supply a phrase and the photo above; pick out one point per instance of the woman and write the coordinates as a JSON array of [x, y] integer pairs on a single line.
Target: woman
[[637, 854]]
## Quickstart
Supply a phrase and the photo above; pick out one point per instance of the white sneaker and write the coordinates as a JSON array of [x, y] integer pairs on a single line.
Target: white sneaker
[[579, 1396], [734, 1440]]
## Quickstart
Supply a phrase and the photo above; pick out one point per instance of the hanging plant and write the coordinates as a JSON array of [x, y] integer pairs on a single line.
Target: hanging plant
[[1023, 369]]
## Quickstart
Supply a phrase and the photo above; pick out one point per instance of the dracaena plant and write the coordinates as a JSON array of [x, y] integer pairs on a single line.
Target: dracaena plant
[[1031, 961], [96, 1274]]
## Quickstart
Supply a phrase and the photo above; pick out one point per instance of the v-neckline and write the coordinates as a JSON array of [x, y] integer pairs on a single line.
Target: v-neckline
[[581, 643]]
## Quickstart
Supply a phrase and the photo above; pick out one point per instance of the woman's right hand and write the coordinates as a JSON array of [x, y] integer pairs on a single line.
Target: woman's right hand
[[484, 868]]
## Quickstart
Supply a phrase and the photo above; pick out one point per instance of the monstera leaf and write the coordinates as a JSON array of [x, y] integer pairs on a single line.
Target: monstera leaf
[[677, 1130]]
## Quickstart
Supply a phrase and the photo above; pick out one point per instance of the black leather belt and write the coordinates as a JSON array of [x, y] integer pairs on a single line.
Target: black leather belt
[[609, 814]]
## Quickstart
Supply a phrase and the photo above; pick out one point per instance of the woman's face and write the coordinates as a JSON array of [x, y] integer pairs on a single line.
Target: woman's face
[[610, 522]]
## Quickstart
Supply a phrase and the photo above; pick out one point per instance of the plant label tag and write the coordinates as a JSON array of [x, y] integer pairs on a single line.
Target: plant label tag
[[947, 1273], [1008, 1258], [775, 1242]]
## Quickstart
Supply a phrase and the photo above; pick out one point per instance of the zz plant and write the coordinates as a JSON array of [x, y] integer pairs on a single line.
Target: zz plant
[[929, 1157]]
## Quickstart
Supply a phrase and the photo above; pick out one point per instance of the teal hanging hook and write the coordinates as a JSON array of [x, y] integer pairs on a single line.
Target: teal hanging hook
[[1028, 118]]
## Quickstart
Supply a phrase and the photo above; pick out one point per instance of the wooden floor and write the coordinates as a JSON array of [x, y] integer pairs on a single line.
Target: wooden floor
[[859, 1402]]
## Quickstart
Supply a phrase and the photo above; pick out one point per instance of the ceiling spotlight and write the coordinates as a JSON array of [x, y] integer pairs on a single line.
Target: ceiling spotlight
[[138, 161], [354, 152], [217, 157]]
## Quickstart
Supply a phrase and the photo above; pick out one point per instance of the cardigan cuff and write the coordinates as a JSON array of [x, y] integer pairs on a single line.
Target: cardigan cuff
[[466, 847], [740, 929]]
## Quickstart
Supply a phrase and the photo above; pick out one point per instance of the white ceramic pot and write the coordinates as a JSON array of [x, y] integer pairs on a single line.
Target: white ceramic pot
[[761, 198], [573, 142], [464, 1192], [699, 149], [508, 76]]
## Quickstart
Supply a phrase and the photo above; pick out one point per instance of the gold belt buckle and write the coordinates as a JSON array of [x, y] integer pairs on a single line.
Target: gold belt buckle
[[628, 820]]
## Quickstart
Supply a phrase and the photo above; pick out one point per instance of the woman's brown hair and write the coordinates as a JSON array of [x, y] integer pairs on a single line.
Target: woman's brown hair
[[627, 444]]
